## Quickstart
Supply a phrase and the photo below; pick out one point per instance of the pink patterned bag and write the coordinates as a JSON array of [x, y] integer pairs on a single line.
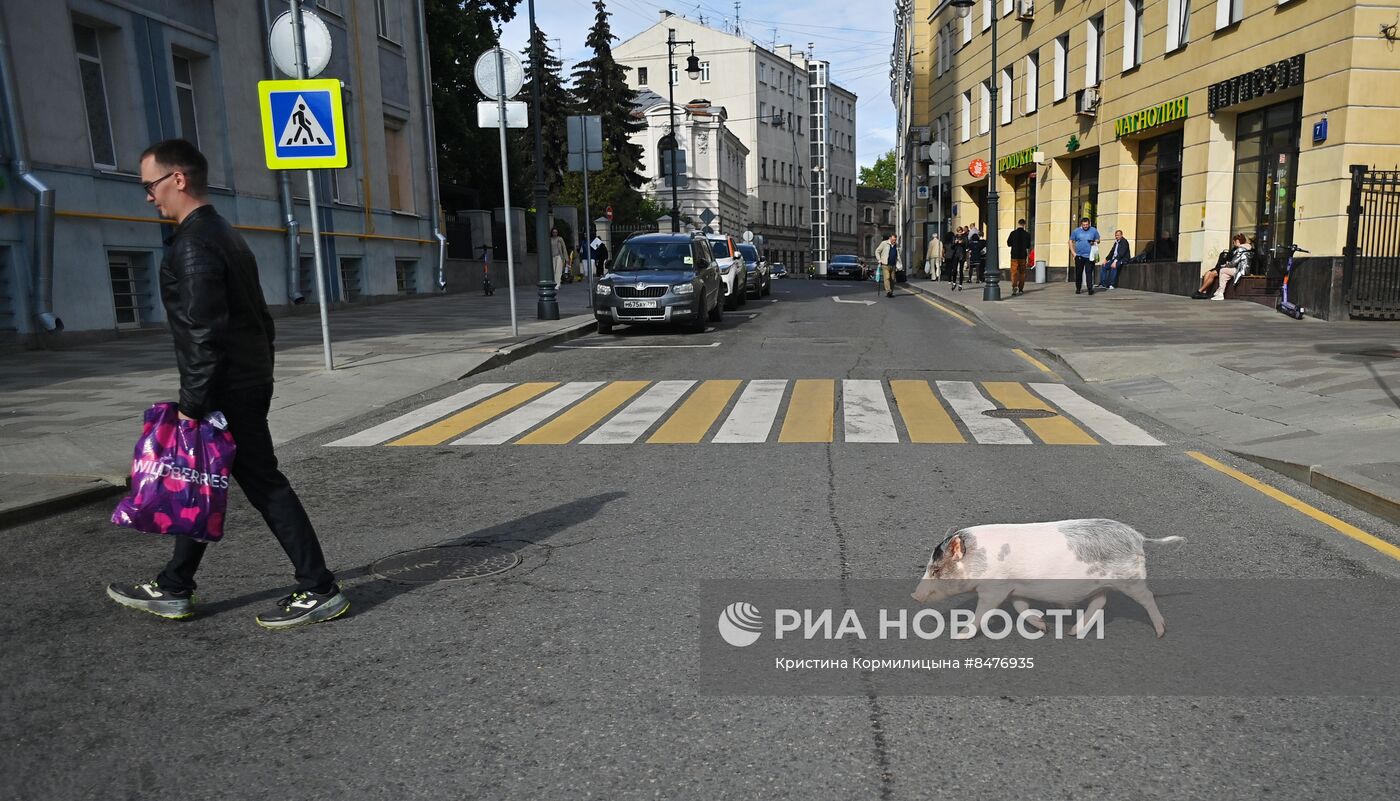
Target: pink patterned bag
[[179, 476]]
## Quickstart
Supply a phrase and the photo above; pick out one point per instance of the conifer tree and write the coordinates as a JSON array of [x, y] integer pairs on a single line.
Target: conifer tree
[[556, 105], [600, 86]]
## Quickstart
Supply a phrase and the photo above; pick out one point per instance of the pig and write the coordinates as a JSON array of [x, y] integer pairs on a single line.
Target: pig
[[1061, 562]]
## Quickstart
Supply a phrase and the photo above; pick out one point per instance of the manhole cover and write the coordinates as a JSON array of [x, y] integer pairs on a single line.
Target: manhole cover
[[1019, 414], [445, 563]]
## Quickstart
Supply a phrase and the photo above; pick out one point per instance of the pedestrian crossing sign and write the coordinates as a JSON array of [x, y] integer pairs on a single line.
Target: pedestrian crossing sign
[[303, 124]]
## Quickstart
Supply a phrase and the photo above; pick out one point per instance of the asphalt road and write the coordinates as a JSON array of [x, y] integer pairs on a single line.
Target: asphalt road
[[575, 674]]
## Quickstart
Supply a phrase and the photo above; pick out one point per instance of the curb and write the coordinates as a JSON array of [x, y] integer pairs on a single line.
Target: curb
[[36, 510], [1355, 491], [534, 345]]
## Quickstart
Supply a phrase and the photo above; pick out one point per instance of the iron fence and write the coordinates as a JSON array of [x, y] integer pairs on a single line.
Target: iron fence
[[1371, 264]]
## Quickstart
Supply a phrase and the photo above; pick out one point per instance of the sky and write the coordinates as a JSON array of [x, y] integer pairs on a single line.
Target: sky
[[854, 36]]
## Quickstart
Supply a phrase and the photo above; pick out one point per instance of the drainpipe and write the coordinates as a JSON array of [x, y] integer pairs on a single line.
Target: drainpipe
[[430, 137], [284, 187], [42, 262]]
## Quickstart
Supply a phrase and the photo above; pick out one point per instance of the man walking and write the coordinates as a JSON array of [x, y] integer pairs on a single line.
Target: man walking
[[1019, 241], [1118, 254], [933, 257], [887, 256], [1081, 248], [223, 347]]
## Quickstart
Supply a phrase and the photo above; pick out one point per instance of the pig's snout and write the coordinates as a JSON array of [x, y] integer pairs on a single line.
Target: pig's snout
[[925, 591]]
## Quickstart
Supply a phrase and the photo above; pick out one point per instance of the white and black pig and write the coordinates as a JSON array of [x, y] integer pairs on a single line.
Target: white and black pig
[[1059, 563]]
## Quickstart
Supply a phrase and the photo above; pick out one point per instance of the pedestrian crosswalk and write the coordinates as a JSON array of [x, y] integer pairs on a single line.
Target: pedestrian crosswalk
[[726, 411]]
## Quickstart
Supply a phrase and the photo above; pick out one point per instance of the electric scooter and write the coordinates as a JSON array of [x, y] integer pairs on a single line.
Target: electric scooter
[[486, 287], [1284, 304]]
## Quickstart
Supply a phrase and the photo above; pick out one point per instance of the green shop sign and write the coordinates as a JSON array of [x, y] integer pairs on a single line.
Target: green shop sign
[[1169, 111], [1016, 160]]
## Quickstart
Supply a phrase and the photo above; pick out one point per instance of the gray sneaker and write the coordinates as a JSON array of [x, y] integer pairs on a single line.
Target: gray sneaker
[[305, 607], [149, 597]]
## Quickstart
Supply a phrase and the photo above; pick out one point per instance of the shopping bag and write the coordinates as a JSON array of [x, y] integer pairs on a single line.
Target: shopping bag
[[179, 476], [1094, 253]]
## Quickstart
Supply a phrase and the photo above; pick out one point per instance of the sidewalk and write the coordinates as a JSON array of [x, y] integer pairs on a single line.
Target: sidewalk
[[68, 418], [1317, 401]]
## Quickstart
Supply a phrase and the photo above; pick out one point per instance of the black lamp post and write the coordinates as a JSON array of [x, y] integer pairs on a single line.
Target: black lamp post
[[547, 304], [692, 70], [991, 269]]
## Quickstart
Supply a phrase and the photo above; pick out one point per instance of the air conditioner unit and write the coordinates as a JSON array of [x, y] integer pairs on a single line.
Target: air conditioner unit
[[923, 135], [778, 118], [1087, 102], [1025, 9]]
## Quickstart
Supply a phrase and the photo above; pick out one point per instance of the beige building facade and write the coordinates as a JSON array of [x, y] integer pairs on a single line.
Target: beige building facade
[[1181, 122]]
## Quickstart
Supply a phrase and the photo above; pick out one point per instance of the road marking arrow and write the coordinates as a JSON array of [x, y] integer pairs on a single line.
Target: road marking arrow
[[838, 299]]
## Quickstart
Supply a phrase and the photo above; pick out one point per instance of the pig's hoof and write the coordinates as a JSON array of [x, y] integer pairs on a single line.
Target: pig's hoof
[[962, 635], [1037, 621]]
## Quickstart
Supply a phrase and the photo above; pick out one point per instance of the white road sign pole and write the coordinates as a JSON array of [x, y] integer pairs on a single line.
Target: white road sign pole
[[299, 37], [505, 185], [587, 217]]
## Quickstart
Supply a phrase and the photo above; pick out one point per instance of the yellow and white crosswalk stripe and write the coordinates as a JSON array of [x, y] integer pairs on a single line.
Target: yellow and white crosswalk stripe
[[759, 411]]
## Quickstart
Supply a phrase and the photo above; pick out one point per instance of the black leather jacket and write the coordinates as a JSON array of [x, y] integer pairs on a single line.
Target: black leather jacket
[[222, 329]]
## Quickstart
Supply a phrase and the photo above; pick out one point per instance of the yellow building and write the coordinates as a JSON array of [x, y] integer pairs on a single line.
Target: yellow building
[[1181, 122]]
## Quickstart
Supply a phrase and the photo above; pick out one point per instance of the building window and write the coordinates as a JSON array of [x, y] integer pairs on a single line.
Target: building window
[[986, 14], [104, 151], [351, 288], [1006, 98], [399, 166], [938, 52], [965, 112], [967, 29], [1093, 42], [184, 99], [131, 290], [885, 216], [1159, 197], [984, 123], [383, 20], [1228, 12], [675, 75], [641, 76], [763, 112], [1132, 34], [406, 276], [1023, 188], [869, 214], [1032, 81], [1061, 67], [704, 72], [763, 168], [1084, 188], [766, 221], [1266, 174], [1178, 24]]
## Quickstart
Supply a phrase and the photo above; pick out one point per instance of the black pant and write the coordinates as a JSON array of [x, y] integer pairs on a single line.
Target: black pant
[[255, 470], [1083, 267]]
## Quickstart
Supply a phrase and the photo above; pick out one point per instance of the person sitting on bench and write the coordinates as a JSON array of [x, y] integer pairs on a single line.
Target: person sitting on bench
[[1229, 268]]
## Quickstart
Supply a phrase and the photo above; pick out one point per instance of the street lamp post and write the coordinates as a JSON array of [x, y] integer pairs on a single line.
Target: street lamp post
[[991, 269], [692, 70], [547, 305]]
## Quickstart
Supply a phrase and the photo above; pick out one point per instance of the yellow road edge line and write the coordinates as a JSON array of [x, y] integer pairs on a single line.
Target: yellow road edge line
[[811, 412], [1036, 363], [1057, 430], [924, 417], [947, 310], [689, 424], [473, 416], [583, 416], [1341, 526]]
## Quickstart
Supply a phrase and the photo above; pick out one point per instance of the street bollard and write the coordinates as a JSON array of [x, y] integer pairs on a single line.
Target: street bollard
[[1040, 272]]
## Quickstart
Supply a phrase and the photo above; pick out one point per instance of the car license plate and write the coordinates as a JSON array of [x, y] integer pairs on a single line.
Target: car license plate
[[638, 304]]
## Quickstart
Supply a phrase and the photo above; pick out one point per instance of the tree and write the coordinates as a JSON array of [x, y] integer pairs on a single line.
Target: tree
[[600, 84], [556, 105], [469, 162], [879, 175]]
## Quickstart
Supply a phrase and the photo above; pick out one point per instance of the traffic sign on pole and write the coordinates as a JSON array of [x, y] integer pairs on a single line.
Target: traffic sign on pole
[[303, 124]]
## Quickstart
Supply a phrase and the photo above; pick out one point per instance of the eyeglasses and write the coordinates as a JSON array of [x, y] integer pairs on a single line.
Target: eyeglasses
[[152, 184]]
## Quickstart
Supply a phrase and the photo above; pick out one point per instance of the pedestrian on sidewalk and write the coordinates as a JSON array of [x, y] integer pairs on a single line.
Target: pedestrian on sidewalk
[[1019, 240], [1118, 254], [559, 251], [947, 274], [600, 259], [887, 256], [933, 257], [976, 253], [1232, 263], [1082, 242], [223, 347], [959, 255]]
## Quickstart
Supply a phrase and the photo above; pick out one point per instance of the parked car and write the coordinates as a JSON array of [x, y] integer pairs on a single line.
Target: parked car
[[845, 267], [727, 259], [779, 270], [661, 278], [757, 273]]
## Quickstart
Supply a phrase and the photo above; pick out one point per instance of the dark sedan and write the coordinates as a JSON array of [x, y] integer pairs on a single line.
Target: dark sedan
[[845, 267]]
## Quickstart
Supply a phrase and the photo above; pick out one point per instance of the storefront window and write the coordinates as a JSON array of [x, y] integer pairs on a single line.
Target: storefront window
[[1023, 187], [1266, 176], [1159, 197], [1084, 188]]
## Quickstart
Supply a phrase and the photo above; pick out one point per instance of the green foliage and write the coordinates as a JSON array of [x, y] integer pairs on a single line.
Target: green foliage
[[556, 105], [600, 85], [879, 175]]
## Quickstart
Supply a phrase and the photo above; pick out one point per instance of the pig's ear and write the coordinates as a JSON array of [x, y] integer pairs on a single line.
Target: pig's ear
[[955, 549]]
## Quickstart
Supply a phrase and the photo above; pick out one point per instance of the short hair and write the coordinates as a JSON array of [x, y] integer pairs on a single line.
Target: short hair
[[1119, 231], [1084, 219], [181, 156], [1020, 222], [1241, 238]]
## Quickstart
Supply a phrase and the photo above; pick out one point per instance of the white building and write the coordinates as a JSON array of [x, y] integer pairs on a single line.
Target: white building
[[768, 97], [715, 193]]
